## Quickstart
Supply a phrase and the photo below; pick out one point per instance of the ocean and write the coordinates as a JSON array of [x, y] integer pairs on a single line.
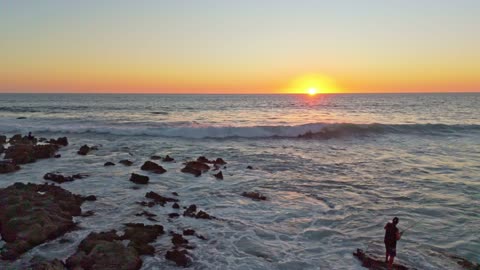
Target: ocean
[[335, 169]]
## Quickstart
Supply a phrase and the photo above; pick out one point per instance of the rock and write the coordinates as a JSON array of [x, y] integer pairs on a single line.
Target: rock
[[139, 179], [45, 151], [219, 161], [32, 214], [373, 263], [203, 159], [48, 265], [178, 256], [3, 139], [109, 164], [254, 196], [90, 198], [87, 214], [168, 159], [84, 150], [175, 206], [193, 171], [42, 139], [15, 138], [178, 240], [219, 175], [104, 250], [203, 215], [7, 166], [57, 156], [190, 212], [2, 149], [198, 166], [250, 167], [173, 215], [464, 263], [22, 117], [20, 153], [155, 157], [140, 235], [174, 193], [153, 167], [149, 204], [58, 178], [62, 141], [188, 232], [159, 199], [126, 162], [145, 213]]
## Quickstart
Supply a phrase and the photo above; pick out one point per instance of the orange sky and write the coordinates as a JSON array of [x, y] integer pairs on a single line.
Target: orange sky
[[231, 47]]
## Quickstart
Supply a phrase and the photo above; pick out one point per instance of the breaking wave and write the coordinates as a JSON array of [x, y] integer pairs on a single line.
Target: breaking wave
[[306, 131]]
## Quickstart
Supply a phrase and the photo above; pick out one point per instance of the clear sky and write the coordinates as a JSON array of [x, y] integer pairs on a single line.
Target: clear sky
[[248, 46]]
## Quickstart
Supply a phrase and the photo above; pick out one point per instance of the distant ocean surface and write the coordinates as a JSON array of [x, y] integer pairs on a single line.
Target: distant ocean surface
[[335, 169]]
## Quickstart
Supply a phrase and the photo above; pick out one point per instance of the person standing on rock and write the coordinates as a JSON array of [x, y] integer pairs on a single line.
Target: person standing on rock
[[392, 235]]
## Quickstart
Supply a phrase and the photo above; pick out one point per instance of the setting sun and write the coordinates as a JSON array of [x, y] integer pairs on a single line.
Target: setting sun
[[313, 84], [312, 91]]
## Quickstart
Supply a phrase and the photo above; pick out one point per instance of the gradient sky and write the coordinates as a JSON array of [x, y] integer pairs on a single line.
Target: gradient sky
[[248, 46]]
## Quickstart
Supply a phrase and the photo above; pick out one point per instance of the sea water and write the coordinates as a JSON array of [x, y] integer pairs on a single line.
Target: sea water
[[335, 169]]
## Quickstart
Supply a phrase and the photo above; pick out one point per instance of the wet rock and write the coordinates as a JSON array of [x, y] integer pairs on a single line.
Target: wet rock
[[178, 256], [42, 139], [159, 199], [191, 211], [21, 153], [45, 151], [219, 175], [173, 215], [373, 263], [175, 206], [57, 156], [203, 159], [178, 240], [3, 139], [15, 138], [90, 198], [168, 159], [21, 117], [62, 141], [2, 149], [201, 237], [464, 263], [7, 166], [84, 150], [48, 265], [149, 204], [139, 179], [153, 167], [32, 214], [140, 235], [109, 164], [198, 166], [104, 250], [145, 213], [254, 196], [203, 215], [58, 178], [87, 214], [174, 193], [155, 157], [193, 171], [250, 167], [188, 232], [219, 161], [126, 162]]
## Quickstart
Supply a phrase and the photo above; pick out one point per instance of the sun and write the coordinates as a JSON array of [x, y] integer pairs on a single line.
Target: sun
[[312, 84]]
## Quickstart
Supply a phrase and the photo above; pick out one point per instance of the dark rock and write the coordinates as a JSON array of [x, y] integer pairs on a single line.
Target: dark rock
[[62, 141], [15, 138], [126, 162], [155, 157], [57, 156], [21, 153], [168, 159], [198, 166], [201, 237], [254, 196], [45, 151], [104, 251], [178, 240], [145, 213], [42, 139], [88, 214], [84, 150], [142, 234], [191, 211], [90, 198], [175, 206], [203, 215], [7, 166], [2, 149], [203, 159], [32, 214], [159, 199], [250, 167], [175, 193], [48, 265], [178, 256], [373, 263], [193, 171], [219, 175], [109, 164], [3, 139], [188, 232], [153, 167], [149, 204], [58, 178], [22, 117], [219, 161], [139, 179], [173, 215]]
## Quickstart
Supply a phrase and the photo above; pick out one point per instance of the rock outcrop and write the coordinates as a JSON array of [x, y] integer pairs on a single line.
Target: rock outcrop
[[139, 179], [32, 214], [373, 263], [7, 166], [152, 167], [159, 199], [58, 178], [84, 150], [254, 196], [195, 167]]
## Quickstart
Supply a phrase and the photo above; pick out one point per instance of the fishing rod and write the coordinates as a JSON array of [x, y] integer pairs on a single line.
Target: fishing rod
[[411, 226]]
